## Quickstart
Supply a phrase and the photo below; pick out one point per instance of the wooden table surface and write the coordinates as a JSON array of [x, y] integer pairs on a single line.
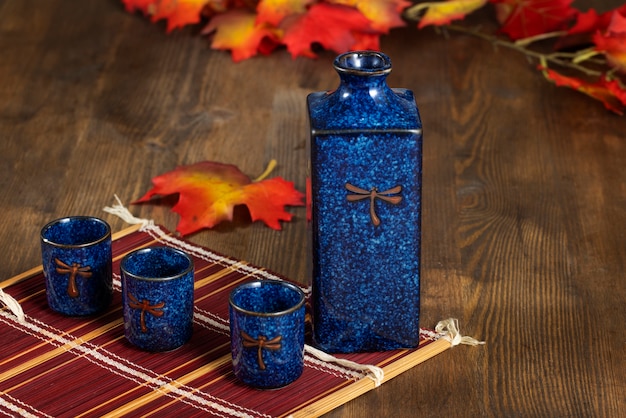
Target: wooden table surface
[[524, 193]]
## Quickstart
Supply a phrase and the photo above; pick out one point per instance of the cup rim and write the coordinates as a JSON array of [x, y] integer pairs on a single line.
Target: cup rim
[[156, 279], [259, 283], [104, 237]]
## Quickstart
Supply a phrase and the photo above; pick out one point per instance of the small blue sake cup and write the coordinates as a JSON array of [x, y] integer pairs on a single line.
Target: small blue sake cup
[[157, 298], [267, 333], [76, 259]]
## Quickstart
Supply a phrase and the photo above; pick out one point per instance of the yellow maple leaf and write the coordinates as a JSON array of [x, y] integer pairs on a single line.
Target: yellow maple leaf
[[274, 11], [384, 14], [443, 12], [239, 31]]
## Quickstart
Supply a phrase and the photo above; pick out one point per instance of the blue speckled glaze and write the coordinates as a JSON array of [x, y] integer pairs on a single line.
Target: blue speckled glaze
[[271, 311], [366, 276], [76, 259], [157, 281]]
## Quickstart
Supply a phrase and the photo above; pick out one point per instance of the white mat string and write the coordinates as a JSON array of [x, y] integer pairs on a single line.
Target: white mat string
[[448, 329], [121, 211], [13, 305], [372, 372]]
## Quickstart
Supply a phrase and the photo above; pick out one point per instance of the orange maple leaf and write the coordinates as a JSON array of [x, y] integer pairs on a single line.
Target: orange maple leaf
[[178, 13], [209, 191], [274, 11], [383, 14], [443, 12], [610, 92], [239, 31], [612, 42], [334, 27]]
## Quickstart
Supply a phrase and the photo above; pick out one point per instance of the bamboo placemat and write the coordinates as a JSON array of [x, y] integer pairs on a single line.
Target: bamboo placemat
[[57, 366]]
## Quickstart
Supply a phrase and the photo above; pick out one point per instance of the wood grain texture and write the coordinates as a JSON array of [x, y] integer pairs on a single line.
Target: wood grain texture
[[524, 222]]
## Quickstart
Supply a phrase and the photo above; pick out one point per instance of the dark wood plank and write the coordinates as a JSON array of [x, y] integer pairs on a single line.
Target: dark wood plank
[[524, 187]]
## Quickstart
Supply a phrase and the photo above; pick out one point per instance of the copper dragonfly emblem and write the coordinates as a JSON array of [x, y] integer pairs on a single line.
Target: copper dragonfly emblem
[[145, 306], [372, 195], [74, 270], [260, 343]]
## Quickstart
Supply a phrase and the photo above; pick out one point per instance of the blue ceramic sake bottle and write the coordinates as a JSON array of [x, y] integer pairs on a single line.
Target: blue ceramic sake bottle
[[365, 169]]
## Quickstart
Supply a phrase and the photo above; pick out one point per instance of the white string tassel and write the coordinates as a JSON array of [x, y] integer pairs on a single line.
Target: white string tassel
[[374, 373], [13, 305], [121, 211], [449, 330]]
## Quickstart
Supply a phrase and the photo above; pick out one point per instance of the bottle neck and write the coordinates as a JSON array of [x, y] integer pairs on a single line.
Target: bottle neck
[[363, 75]]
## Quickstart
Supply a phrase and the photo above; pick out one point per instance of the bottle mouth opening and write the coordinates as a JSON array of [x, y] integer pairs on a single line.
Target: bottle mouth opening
[[363, 63]]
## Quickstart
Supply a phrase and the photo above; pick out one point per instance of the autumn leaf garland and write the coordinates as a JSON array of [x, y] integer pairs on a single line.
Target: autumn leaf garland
[[596, 43], [248, 27]]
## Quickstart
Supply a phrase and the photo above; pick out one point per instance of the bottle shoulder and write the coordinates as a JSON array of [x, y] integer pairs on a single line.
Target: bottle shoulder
[[393, 109]]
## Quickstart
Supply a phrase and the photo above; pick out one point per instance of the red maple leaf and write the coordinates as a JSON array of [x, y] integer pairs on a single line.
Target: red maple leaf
[[141, 5], [524, 18], [591, 22], [334, 27], [612, 42], [610, 92], [209, 191], [366, 41]]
